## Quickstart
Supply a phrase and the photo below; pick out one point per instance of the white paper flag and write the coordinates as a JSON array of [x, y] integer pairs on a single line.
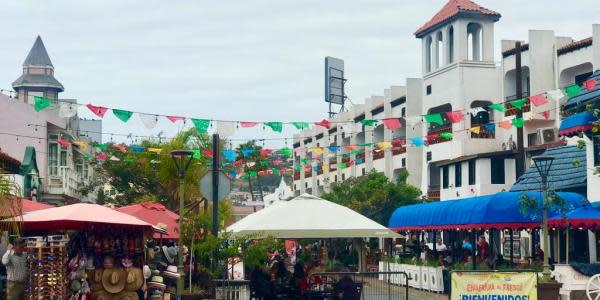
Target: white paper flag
[[475, 110], [114, 158], [225, 128], [555, 95], [67, 110], [149, 121], [412, 121], [348, 128]]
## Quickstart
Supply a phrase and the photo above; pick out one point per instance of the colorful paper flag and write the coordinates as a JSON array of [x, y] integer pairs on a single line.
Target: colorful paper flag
[[324, 123], [417, 141], [590, 84], [475, 129], [538, 100], [318, 150], [446, 135], [207, 152], [434, 118], [490, 127], [122, 115], [67, 110], [498, 106], [41, 103], [287, 152], [505, 124], [225, 128], [137, 148], [476, 110], [174, 119], [455, 116], [350, 147], [247, 152], [248, 124], [518, 103], [572, 90], [555, 95], [101, 156], [120, 147], [392, 123], [545, 114], [275, 126], [368, 122], [300, 125], [333, 148], [148, 120], [97, 110], [229, 155], [341, 166], [384, 145], [155, 150], [518, 122], [63, 143], [201, 125], [81, 144]]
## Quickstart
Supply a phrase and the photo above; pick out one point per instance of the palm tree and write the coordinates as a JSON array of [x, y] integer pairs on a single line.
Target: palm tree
[[11, 206]]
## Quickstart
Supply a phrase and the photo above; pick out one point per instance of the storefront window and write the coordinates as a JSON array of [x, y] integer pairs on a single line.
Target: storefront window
[[53, 158]]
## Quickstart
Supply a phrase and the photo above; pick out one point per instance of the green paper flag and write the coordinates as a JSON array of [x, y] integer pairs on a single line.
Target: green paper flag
[[87, 157], [286, 152], [41, 103], [103, 147], [300, 125], [245, 176], [275, 171], [253, 173], [342, 166], [304, 161], [518, 122], [356, 152], [264, 163], [197, 154], [128, 159], [434, 118], [518, 103], [572, 90], [368, 122], [446, 135], [498, 106], [201, 125], [275, 126], [123, 115]]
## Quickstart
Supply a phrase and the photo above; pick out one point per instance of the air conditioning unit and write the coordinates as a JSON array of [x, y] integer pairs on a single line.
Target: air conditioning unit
[[547, 135]]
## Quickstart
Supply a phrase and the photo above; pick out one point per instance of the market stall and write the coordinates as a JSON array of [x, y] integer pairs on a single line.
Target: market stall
[[86, 251]]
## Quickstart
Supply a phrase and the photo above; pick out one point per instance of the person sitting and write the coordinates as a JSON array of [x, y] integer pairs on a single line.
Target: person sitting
[[539, 254], [346, 288], [440, 246]]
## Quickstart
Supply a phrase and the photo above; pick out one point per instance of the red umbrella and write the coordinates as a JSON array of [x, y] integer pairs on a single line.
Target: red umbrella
[[155, 214], [25, 205], [80, 216]]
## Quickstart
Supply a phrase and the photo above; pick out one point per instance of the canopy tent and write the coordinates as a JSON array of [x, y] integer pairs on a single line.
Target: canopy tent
[[500, 210], [21, 206], [77, 217], [157, 215], [583, 217], [307, 216]]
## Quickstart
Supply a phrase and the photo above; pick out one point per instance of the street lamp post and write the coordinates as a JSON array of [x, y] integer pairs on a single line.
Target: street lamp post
[[543, 164], [182, 159]]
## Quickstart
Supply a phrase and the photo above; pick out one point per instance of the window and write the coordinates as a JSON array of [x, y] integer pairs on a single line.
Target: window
[[31, 96], [458, 175], [53, 159], [472, 172], [596, 151], [445, 177], [63, 157], [363, 171], [404, 162], [497, 170], [335, 178], [343, 177], [429, 156], [450, 44], [403, 112], [428, 89]]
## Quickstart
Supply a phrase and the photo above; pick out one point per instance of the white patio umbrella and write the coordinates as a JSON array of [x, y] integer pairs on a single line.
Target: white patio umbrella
[[307, 216]]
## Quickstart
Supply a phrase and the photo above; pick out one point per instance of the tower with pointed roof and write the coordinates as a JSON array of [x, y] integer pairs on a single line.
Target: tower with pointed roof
[[38, 76]]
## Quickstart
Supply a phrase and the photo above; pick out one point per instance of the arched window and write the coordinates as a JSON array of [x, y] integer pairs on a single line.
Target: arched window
[[440, 52], [450, 45], [428, 53], [475, 41]]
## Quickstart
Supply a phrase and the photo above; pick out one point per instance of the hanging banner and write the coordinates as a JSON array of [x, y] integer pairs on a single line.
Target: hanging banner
[[493, 285]]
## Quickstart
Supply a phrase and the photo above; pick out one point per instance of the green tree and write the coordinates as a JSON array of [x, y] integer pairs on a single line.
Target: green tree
[[10, 204], [373, 195]]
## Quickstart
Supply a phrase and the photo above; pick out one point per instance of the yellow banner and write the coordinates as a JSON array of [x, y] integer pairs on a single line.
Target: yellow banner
[[493, 286]]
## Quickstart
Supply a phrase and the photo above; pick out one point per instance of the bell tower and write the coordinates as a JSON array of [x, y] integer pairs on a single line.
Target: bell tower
[[38, 76]]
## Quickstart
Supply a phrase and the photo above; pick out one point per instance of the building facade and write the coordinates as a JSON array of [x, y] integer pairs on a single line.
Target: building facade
[[459, 73], [64, 165]]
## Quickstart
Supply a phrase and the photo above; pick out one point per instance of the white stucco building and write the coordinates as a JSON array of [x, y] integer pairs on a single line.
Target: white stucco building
[[459, 72]]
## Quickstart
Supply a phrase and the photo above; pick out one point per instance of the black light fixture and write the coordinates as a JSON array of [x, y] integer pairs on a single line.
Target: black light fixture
[[543, 163], [182, 159]]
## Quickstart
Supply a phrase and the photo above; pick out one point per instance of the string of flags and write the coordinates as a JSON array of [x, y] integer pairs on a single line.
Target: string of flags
[[228, 128]]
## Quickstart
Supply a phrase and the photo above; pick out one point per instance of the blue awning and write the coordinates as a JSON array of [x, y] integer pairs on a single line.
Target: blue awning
[[576, 123], [584, 97], [500, 210], [584, 217]]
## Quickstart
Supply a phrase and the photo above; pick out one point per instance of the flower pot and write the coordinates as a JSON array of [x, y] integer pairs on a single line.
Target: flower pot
[[549, 290]]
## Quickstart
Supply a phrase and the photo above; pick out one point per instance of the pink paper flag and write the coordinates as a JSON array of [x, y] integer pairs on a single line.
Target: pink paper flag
[[324, 123], [101, 156], [120, 147], [175, 118], [538, 100], [546, 114], [248, 124], [207, 152], [455, 116], [97, 110], [590, 84], [505, 124], [392, 123], [63, 143], [265, 152]]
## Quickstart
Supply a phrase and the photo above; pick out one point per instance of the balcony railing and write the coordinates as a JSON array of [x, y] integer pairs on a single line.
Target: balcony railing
[[433, 135], [378, 155], [433, 194], [398, 150], [511, 110]]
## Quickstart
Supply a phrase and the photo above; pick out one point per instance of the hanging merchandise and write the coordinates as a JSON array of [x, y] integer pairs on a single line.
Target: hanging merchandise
[[122, 115], [41, 103], [392, 123], [201, 125], [275, 126], [149, 121], [97, 110]]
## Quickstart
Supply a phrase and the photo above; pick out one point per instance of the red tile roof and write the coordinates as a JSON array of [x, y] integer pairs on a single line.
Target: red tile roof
[[575, 45], [452, 9]]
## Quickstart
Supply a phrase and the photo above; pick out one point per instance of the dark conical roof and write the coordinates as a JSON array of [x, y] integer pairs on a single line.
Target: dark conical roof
[[38, 56]]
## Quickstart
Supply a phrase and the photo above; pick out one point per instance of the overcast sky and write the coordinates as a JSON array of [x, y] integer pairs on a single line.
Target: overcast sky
[[241, 60]]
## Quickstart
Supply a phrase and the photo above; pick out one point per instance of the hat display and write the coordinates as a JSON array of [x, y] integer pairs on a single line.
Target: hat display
[[89, 263], [75, 285], [125, 295], [147, 272], [156, 283], [171, 272], [114, 280], [109, 262], [135, 279], [156, 295], [170, 253], [127, 262], [101, 295]]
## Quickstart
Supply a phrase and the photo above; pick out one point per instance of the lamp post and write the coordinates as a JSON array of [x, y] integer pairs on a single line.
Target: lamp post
[[182, 159], [543, 164]]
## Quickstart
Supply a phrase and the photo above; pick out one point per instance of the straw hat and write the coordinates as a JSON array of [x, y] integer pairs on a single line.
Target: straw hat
[[125, 295], [170, 253], [171, 272], [114, 280], [135, 279], [101, 295], [156, 283]]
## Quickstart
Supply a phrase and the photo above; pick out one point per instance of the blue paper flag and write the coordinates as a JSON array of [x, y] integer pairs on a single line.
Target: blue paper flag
[[490, 127], [229, 155], [359, 161], [417, 141], [137, 149], [333, 148], [247, 152]]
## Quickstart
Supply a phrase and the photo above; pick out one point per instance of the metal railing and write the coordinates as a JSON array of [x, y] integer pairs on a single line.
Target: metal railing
[[358, 285], [232, 289]]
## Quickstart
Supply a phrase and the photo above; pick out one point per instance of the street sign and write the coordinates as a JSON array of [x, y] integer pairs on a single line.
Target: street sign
[[206, 186]]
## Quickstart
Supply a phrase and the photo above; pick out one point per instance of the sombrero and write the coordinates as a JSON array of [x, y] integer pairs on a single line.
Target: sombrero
[[135, 279], [101, 295], [125, 295], [114, 280]]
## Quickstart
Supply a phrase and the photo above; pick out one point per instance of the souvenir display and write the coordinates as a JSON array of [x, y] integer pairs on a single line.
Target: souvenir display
[[46, 258]]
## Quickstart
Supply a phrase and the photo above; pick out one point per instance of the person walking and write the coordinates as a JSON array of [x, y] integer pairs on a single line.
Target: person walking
[[15, 260]]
